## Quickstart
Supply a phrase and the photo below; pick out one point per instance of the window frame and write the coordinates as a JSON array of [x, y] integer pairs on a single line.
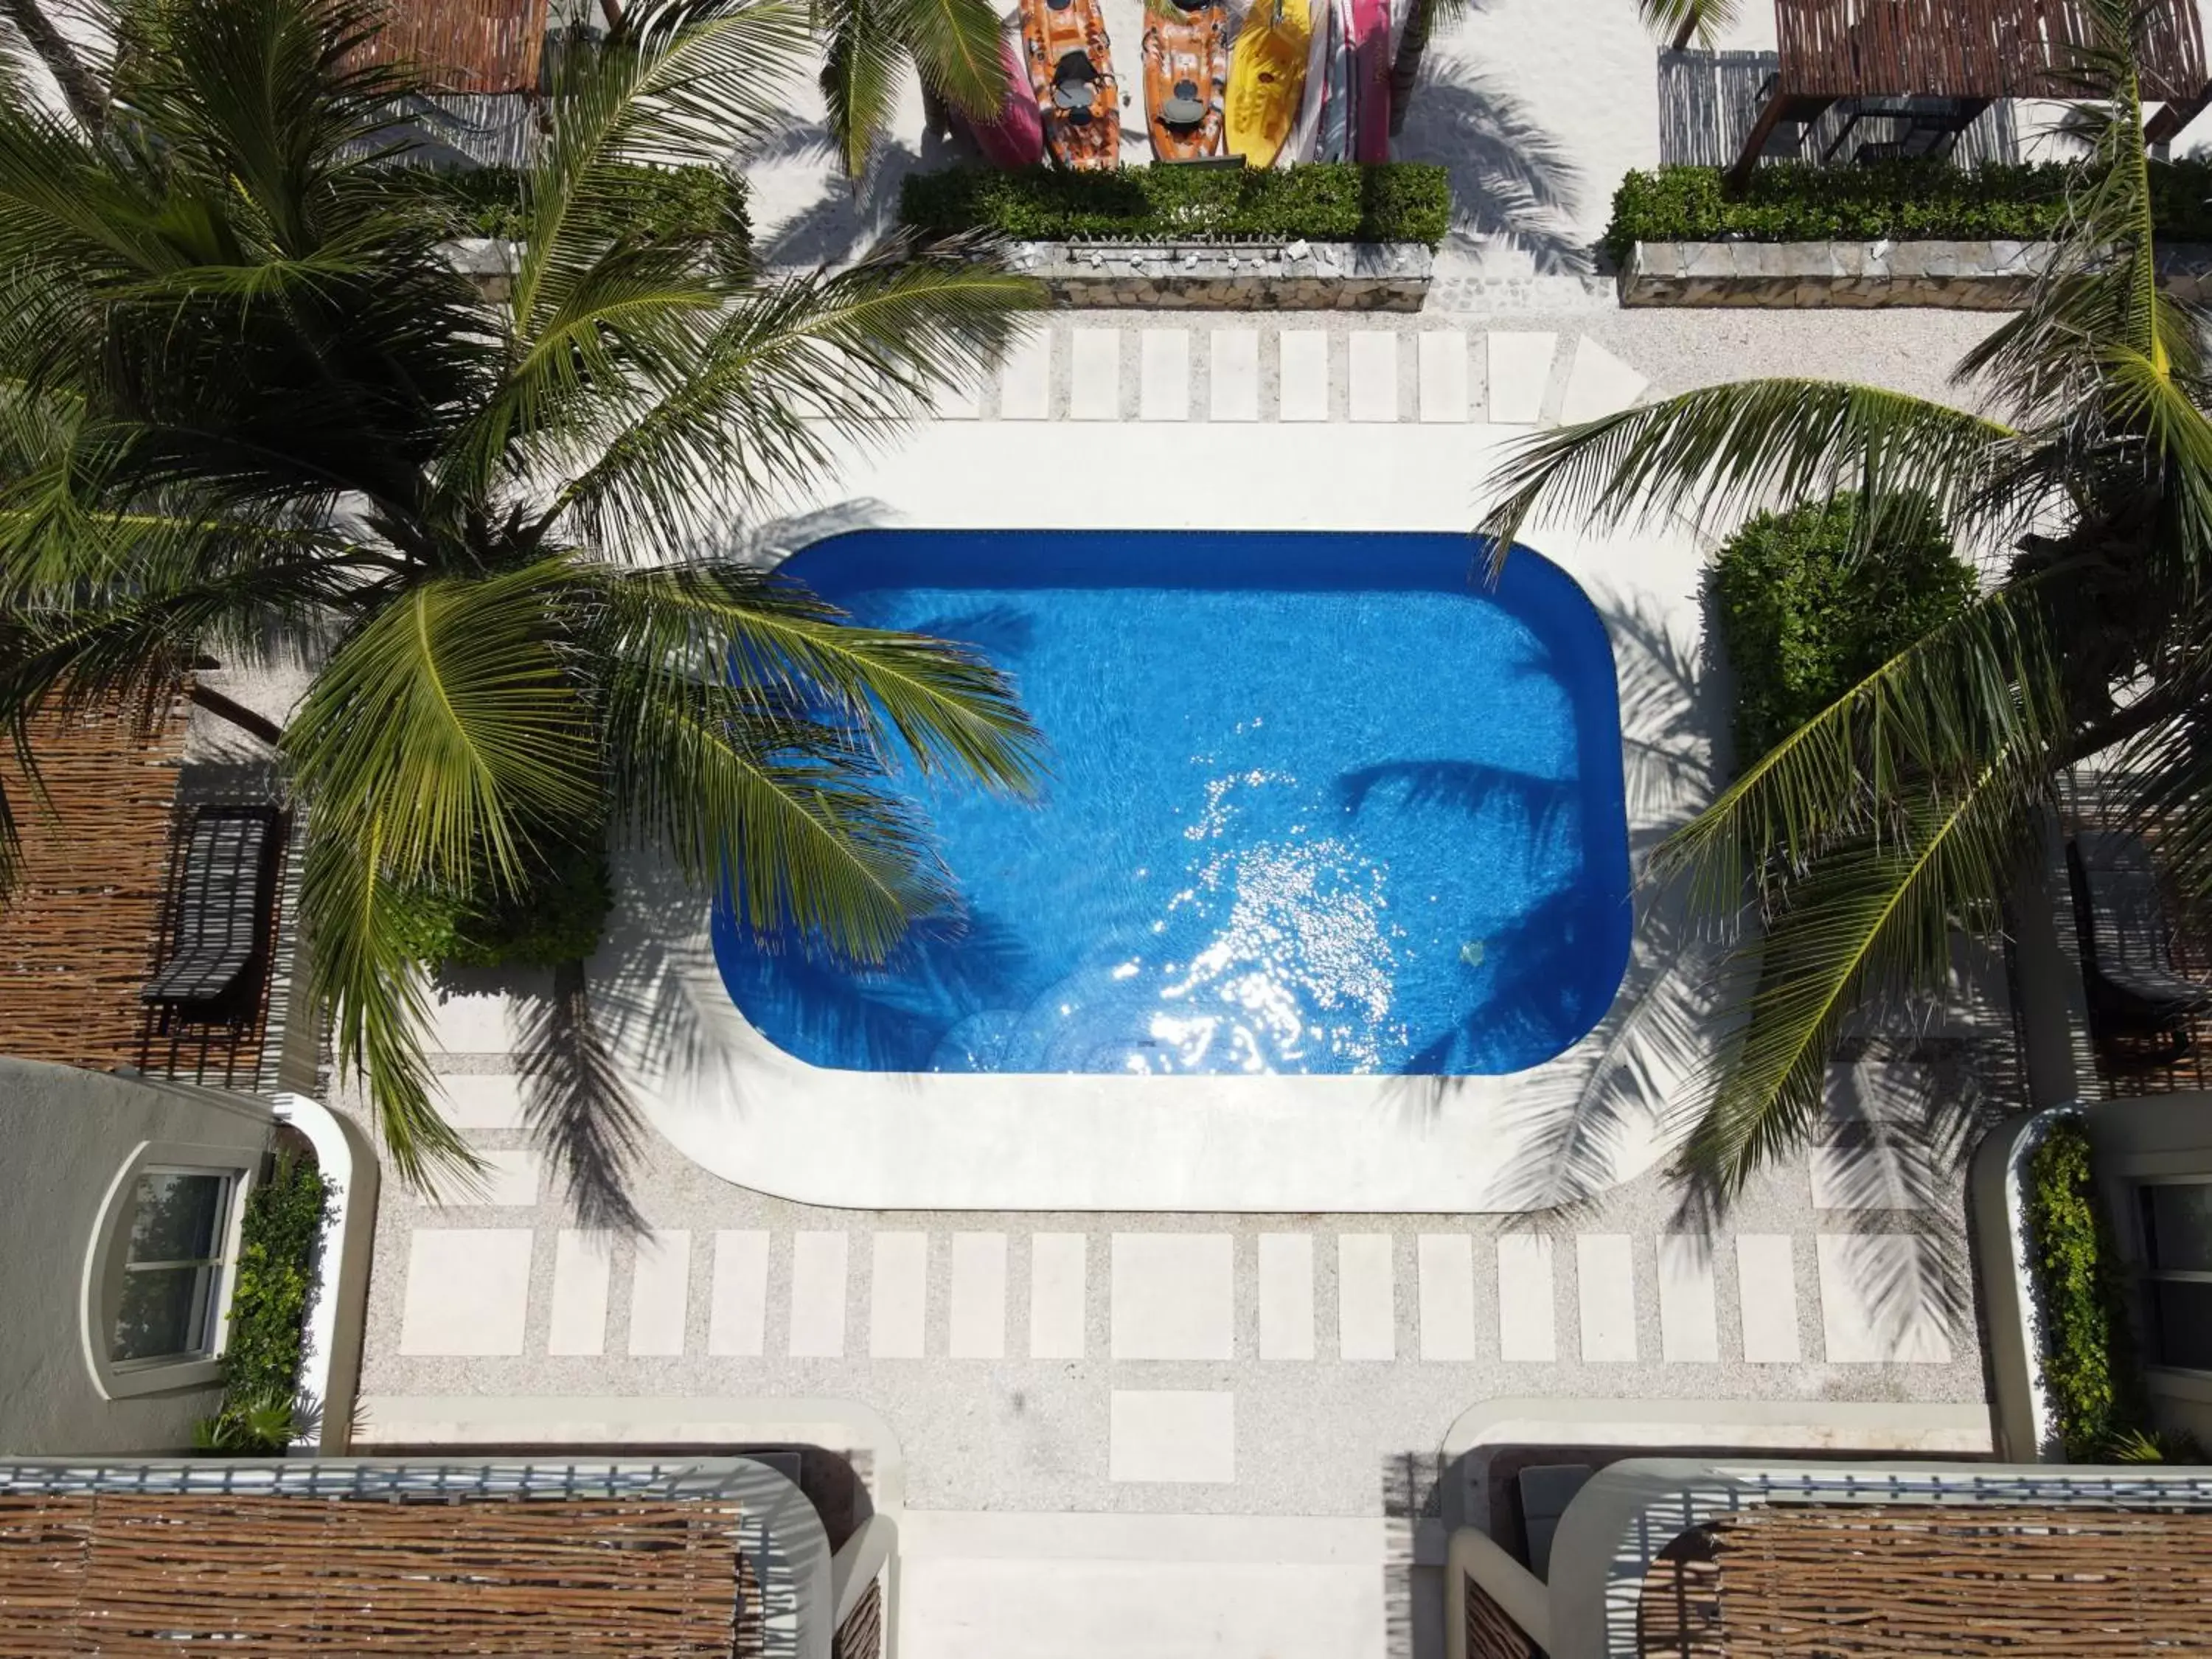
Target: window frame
[[2148, 1272], [107, 1263]]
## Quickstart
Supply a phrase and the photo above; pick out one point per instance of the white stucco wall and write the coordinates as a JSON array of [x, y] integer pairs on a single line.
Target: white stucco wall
[[66, 1135]]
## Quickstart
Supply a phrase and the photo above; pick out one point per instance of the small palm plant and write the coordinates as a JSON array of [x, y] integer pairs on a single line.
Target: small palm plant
[[1910, 809], [248, 406]]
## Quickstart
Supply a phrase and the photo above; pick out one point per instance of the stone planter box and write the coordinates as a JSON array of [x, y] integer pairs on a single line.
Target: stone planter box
[[1231, 276], [1783, 276]]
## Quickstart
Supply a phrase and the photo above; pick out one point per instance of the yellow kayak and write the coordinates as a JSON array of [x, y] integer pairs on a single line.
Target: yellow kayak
[[1266, 73]]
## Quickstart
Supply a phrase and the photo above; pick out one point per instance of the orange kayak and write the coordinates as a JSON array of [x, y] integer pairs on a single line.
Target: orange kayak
[[1186, 77], [1071, 69]]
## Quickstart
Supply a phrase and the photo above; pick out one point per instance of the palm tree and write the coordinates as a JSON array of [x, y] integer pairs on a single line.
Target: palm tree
[[1909, 808], [247, 402], [955, 45], [1685, 20]]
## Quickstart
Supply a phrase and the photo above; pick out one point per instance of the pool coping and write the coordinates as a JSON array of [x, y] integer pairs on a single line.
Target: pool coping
[[1598, 1114]]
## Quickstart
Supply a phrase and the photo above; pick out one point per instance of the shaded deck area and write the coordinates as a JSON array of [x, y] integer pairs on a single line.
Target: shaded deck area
[[96, 910], [1932, 67]]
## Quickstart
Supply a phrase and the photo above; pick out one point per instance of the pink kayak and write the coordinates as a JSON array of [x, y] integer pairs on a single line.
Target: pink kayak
[[1015, 138], [1370, 74]]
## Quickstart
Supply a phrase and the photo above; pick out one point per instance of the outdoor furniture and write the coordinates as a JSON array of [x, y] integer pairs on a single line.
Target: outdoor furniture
[[223, 903], [1939, 63], [2126, 940]]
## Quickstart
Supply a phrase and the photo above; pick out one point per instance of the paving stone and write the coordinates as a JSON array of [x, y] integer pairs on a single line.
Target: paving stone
[[1305, 376], [979, 1296], [1178, 1436], [1881, 1298], [1095, 375], [1174, 1296], [659, 1292], [1446, 1261], [1767, 1290], [1058, 1285], [1443, 374], [1598, 384], [737, 1324], [1689, 1330], [1286, 1295], [1234, 391], [1366, 1298], [1527, 1319], [898, 1295], [1605, 1290], [1025, 378], [481, 1100], [1374, 372], [817, 1295], [1520, 370], [1164, 389], [1870, 1167], [468, 1290], [582, 1270]]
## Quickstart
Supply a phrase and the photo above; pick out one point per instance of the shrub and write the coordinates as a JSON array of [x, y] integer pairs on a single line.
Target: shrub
[[1905, 201], [2091, 1365], [1806, 613], [554, 918], [686, 201], [279, 1240], [1324, 202]]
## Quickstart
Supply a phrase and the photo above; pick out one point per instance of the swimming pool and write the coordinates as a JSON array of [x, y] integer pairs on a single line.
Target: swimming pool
[[1318, 805]]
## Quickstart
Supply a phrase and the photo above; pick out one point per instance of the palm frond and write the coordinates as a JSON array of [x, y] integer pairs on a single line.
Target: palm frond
[[1680, 21]]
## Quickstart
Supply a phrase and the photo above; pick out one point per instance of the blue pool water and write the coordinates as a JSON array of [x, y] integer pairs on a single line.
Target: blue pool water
[[1319, 803]]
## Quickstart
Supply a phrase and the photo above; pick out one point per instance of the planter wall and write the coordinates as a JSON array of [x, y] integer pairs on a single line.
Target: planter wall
[[1990, 276], [1228, 276]]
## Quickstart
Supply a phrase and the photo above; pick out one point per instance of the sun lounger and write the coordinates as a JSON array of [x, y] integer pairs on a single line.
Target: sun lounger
[[2126, 938], [222, 903]]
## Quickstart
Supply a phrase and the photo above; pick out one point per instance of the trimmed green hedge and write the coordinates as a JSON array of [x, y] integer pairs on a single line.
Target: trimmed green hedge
[[689, 202], [2091, 1366], [1323, 202], [1905, 201], [557, 918], [1806, 613], [277, 1269]]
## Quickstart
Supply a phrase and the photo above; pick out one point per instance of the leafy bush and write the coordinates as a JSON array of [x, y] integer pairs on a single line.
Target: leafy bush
[[554, 918], [1806, 613], [1324, 202], [2091, 1366], [685, 202], [279, 1241], [1905, 201]]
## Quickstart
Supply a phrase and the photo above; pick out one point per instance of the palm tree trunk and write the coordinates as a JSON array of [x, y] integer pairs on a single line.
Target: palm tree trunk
[[237, 714], [1406, 68], [87, 98]]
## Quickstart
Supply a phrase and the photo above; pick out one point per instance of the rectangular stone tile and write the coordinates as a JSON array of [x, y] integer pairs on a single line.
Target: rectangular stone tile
[[1598, 384], [1174, 1296], [1443, 374], [469, 1023], [1520, 372], [1025, 378], [1304, 373], [582, 1271], [1870, 1167], [1689, 1330], [1059, 1284], [512, 1178], [1881, 1297], [659, 1292], [1526, 1323], [979, 1296], [1447, 1272], [1366, 1298], [1095, 371], [1234, 394], [1164, 386], [1373, 354], [1766, 1294], [898, 1295], [736, 1313], [817, 1295], [1184, 1436], [1286, 1295], [481, 1100], [468, 1290], [1605, 1289]]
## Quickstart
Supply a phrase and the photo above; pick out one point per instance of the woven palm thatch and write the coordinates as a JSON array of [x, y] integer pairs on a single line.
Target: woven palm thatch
[[467, 45], [1843, 1581], [256, 1575]]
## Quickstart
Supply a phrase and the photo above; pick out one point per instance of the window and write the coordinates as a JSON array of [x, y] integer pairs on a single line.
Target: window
[[172, 1271], [2176, 1224]]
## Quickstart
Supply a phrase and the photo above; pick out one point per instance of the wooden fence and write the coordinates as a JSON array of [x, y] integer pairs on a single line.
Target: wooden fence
[[79, 934], [253, 1577], [1970, 49], [1843, 1581], [467, 45]]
